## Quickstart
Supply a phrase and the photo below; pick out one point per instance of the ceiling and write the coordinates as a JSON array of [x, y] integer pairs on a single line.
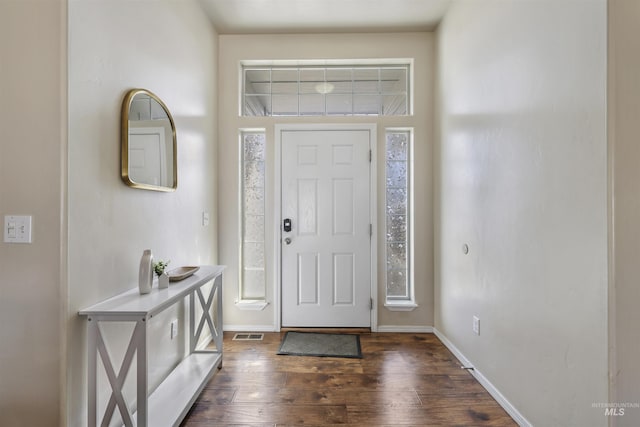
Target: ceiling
[[323, 16]]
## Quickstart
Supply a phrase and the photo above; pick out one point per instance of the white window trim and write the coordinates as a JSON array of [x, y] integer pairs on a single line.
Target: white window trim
[[381, 62], [251, 305], [247, 304], [401, 305], [408, 304]]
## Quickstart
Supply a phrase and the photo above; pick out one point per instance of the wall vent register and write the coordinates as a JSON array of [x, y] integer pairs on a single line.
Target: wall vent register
[[248, 337]]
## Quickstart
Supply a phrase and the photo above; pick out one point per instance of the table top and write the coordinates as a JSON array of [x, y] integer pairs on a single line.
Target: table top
[[132, 303]]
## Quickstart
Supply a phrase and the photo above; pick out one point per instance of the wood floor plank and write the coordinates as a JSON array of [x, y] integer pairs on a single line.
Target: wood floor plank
[[276, 414], [446, 385], [424, 416], [402, 379], [320, 365], [360, 382], [230, 379], [393, 398]]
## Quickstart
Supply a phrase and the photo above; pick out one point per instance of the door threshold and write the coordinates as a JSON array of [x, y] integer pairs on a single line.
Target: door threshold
[[350, 330]]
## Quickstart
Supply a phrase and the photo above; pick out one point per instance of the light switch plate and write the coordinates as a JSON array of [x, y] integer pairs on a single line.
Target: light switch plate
[[17, 229]]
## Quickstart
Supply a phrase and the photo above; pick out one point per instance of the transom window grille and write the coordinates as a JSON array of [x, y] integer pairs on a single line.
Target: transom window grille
[[253, 279], [326, 91], [397, 208]]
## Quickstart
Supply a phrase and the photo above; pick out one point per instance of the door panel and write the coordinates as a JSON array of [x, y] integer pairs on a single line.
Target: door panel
[[326, 264], [308, 280], [343, 280]]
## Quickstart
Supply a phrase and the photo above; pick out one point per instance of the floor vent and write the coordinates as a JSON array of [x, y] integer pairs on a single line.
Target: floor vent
[[248, 337]]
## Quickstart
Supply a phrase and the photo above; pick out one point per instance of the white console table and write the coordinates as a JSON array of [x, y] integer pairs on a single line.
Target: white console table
[[173, 398]]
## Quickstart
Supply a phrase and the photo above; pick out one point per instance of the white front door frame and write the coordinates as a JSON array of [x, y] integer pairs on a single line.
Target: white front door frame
[[279, 128]]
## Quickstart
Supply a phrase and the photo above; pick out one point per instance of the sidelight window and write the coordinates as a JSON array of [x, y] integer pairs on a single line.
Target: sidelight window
[[252, 207], [399, 289]]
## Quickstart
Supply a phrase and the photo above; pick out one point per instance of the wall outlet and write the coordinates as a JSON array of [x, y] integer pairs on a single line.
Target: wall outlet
[[174, 328], [476, 325]]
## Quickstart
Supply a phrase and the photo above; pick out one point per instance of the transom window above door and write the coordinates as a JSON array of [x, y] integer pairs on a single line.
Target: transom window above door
[[327, 90]]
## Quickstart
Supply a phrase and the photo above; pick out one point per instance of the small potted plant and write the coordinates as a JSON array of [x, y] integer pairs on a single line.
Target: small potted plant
[[159, 268]]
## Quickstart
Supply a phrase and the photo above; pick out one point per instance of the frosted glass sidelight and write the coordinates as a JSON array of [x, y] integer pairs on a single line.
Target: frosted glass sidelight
[[397, 193], [253, 283], [253, 255], [396, 283], [396, 173], [396, 228], [254, 147], [397, 146], [254, 201], [254, 174], [396, 201], [396, 255], [254, 228]]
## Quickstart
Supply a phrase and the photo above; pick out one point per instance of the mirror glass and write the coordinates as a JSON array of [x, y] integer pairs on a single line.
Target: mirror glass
[[149, 158]]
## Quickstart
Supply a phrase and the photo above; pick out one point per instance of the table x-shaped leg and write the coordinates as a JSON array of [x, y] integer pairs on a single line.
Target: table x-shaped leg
[[206, 315], [137, 346]]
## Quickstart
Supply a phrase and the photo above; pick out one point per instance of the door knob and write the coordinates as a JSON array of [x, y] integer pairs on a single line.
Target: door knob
[[287, 240]]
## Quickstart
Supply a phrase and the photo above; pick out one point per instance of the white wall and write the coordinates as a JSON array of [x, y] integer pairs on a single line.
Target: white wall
[[624, 110], [522, 180], [32, 151], [235, 48], [169, 48]]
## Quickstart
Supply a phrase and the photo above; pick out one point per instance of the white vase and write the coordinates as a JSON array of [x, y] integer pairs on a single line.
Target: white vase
[[145, 275], [163, 280]]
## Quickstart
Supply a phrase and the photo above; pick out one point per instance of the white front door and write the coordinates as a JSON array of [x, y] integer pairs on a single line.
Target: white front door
[[326, 254]]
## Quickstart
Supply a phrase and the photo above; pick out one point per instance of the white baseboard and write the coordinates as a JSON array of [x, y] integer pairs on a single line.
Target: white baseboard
[[249, 328], [493, 391], [405, 329]]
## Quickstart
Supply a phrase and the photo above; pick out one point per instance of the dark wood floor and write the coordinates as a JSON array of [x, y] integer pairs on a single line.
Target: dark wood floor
[[402, 379]]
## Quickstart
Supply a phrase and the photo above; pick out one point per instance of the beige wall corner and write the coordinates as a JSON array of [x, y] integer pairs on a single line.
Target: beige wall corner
[[624, 158], [33, 295], [522, 180], [170, 49]]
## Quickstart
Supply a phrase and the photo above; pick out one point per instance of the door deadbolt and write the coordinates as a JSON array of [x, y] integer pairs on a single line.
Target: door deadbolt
[[286, 225]]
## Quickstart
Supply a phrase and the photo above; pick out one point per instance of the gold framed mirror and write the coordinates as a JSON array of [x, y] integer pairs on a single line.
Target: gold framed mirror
[[148, 147]]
